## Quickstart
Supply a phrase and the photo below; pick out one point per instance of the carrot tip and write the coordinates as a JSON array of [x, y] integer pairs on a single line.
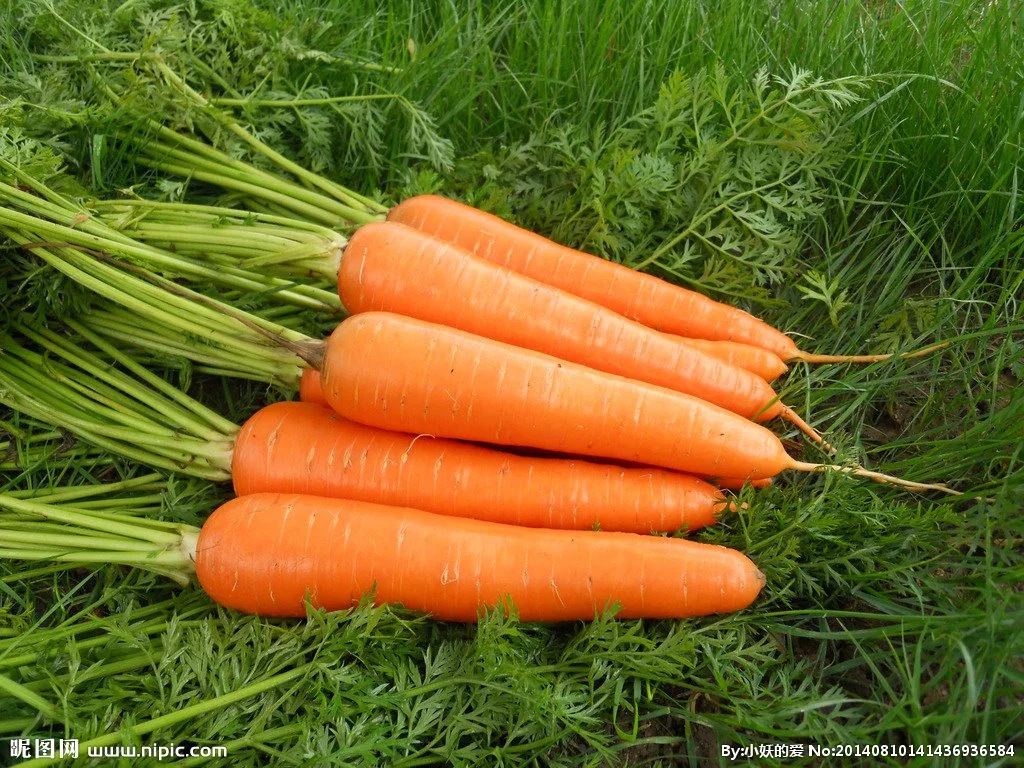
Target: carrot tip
[[879, 477], [730, 505], [793, 417], [806, 357]]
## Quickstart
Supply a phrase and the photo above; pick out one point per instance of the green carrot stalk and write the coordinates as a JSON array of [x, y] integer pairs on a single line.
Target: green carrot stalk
[[122, 327], [229, 237], [85, 494], [18, 691], [32, 206], [89, 234], [355, 207], [91, 388], [161, 305], [21, 450], [311, 197], [34, 530], [78, 243]]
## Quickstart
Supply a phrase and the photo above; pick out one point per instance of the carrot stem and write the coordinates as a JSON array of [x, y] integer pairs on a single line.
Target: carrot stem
[[119, 414], [359, 205], [77, 227], [179, 408], [289, 201], [151, 481], [122, 528], [35, 536], [176, 408], [34, 700], [219, 426], [120, 325], [241, 240], [69, 534], [199, 211], [177, 309], [168, 305]]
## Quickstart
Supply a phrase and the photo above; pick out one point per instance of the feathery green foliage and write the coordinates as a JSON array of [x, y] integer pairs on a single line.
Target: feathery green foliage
[[714, 182]]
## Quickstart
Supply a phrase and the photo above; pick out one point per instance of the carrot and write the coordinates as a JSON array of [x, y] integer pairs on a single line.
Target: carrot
[[759, 361], [735, 483], [311, 391], [265, 553], [404, 374], [268, 552], [394, 268], [310, 387], [305, 448], [639, 296]]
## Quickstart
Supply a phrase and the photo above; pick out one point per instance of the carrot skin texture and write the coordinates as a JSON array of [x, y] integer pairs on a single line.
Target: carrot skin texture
[[264, 553], [305, 448], [311, 391], [390, 267], [759, 361], [736, 483], [639, 296], [310, 387], [403, 374]]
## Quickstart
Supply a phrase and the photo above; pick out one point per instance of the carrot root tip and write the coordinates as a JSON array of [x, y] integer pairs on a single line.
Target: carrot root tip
[[794, 418], [879, 477], [806, 357]]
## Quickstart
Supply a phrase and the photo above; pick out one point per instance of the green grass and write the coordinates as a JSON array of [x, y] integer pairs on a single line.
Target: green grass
[[887, 618]]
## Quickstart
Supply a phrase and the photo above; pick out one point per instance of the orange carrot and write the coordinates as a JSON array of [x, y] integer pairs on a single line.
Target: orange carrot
[[305, 448], [404, 374], [639, 296], [265, 553], [735, 483], [759, 361], [394, 268], [310, 388]]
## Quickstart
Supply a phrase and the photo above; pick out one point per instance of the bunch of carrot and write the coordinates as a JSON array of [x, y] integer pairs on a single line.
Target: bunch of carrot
[[464, 327], [466, 337], [396, 486]]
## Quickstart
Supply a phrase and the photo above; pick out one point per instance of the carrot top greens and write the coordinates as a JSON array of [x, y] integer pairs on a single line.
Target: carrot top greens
[[111, 401]]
